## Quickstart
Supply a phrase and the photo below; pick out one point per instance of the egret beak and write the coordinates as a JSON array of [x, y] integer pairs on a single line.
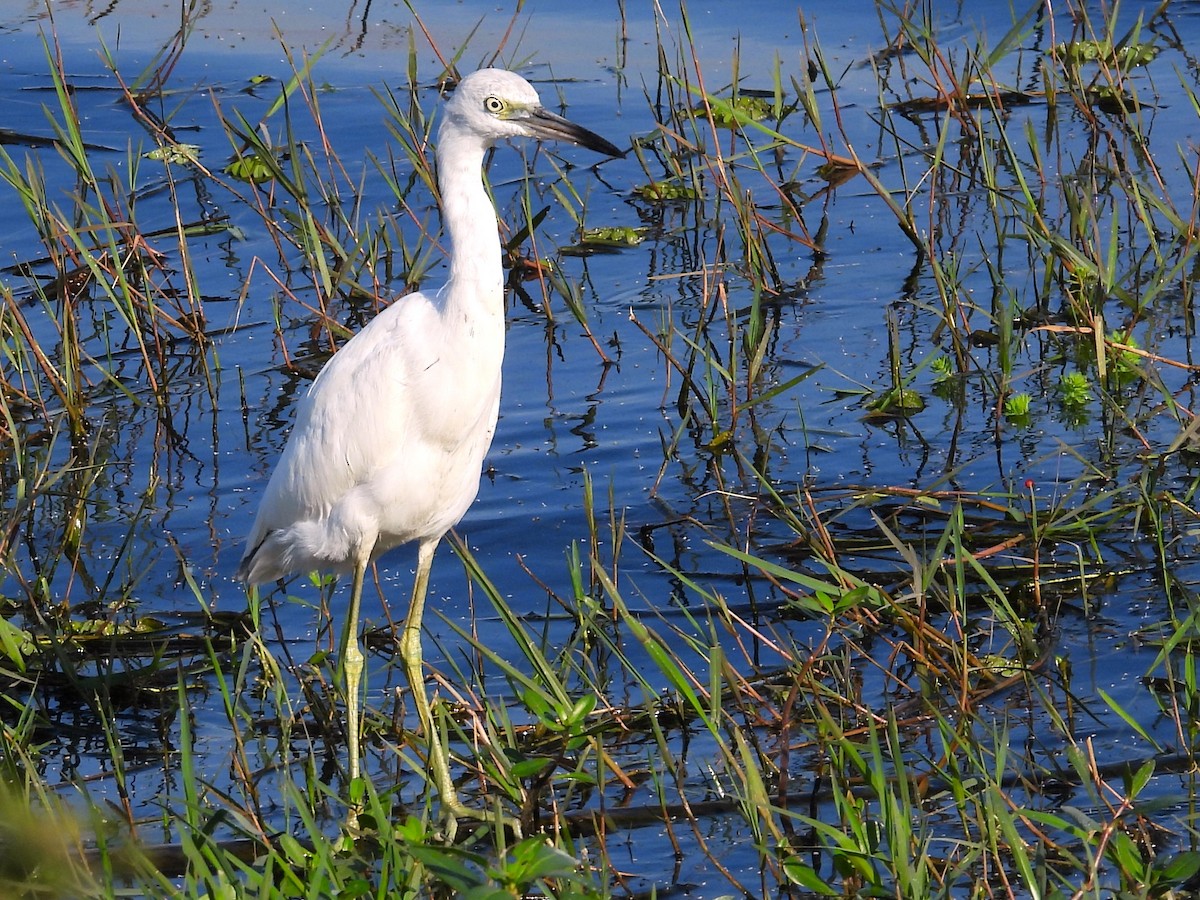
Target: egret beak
[[545, 125]]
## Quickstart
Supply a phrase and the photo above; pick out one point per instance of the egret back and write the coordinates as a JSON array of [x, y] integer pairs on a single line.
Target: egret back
[[388, 444]]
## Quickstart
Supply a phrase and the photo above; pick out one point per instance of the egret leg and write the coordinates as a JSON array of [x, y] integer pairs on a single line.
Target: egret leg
[[410, 647], [352, 666]]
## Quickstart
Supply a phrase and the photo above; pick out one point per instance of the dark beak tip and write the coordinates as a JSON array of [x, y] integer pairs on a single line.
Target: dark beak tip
[[611, 150], [555, 127], [593, 141]]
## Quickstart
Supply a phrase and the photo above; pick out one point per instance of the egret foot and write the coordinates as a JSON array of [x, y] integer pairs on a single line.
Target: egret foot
[[453, 814], [452, 809]]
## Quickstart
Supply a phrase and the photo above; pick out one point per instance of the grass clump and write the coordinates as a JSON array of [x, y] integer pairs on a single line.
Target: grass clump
[[780, 670]]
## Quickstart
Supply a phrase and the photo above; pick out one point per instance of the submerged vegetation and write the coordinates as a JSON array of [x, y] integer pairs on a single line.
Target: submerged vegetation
[[905, 612]]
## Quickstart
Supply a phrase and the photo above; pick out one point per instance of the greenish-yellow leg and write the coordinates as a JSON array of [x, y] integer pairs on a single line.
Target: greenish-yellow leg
[[414, 668], [352, 665], [410, 648]]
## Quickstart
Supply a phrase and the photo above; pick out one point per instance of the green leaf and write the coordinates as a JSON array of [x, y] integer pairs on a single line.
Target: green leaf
[[806, 876], [1179, 868]]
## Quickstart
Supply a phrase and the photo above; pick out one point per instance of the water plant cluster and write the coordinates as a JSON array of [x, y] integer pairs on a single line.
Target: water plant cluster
[[954, 662]]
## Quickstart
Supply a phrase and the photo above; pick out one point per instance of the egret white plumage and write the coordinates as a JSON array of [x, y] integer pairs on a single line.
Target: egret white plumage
[[389, 442]]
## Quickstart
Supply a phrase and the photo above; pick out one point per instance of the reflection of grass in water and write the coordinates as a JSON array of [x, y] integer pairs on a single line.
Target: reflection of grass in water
[[868, 680]]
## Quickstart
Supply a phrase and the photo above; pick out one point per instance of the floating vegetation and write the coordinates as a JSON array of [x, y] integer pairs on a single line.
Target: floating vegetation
[[1125, 56], [898, 402], [839, 536], [253, 167], [665, 191], [1016, 408], [176, 154], [996, 99], [1074, 390], [734, 112], [1111, 99], [606, 239]]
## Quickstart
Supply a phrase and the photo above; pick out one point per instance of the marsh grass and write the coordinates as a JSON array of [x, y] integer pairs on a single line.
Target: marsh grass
[[865, 681]]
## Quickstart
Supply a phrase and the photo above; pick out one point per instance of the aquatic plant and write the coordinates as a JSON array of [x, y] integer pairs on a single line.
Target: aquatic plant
[[783, 670]]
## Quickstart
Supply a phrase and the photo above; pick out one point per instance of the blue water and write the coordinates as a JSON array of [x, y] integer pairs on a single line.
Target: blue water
[[166, 502]]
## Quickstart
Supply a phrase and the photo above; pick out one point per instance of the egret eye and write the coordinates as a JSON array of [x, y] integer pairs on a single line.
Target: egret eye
[[493, 105]]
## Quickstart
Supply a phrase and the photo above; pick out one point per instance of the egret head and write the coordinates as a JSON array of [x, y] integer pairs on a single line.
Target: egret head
[[495, 104]]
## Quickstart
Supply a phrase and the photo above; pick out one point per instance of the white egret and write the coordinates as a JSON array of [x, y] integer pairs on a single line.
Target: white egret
[[389, 442]]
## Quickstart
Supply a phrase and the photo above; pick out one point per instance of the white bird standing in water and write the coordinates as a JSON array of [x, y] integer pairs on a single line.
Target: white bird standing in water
[[389, 442]]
